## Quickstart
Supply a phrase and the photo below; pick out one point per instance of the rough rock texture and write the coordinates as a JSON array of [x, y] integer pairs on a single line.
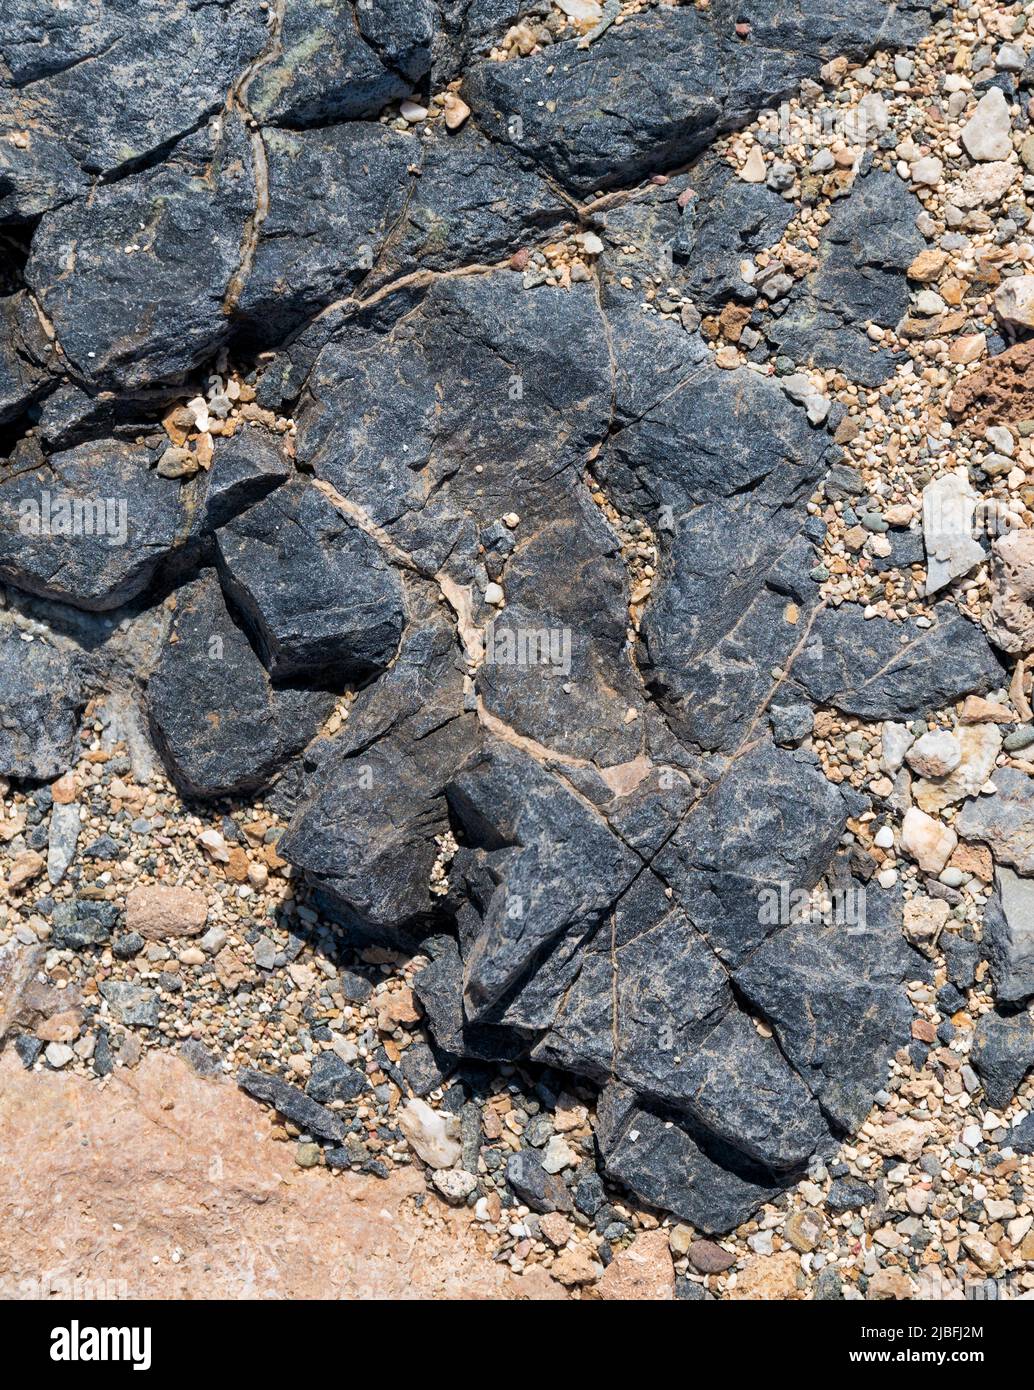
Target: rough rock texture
[[371, 462], [246, 1232]]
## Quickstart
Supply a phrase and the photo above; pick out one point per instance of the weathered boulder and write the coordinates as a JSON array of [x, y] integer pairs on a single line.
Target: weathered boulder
[[334, 195], [136, 278], [365, 829], [314, 587], [219, 724], [171, 65], [700, 76], [834, 991], [343, 61]]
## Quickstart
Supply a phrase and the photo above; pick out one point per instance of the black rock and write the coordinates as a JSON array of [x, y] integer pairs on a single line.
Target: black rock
[[28, 1049], [245, 467], [41, 698], [129, 318], [867, 245], [79, 923], [535, 1187], [292, 1104], [132, 1004], [1002, 1054], [91, 527], [343, 62], [332, 1079], [846, 1194], [835, 995], [876, 669], [313, 585], [1008, 938], [218, 722], [200, 1059], [128, 945]]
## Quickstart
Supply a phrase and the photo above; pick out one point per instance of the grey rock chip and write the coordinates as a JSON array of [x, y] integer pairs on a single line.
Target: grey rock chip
[[134, 1005], [292, 1104], [332, 1079], [1005, 821], [217, 721], [535, 1187], [1008, 939], [315, 588], [79, 923]]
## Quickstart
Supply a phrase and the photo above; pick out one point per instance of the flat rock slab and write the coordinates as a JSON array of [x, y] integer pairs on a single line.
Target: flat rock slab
[[126, 1165]]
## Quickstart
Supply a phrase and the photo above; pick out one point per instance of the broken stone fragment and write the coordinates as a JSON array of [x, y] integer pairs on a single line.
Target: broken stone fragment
[[1002, 1054], [1004, 821], [867, 246], [881, 670], [292, 1104], [1008, 938], [949, 505], [130, 317]]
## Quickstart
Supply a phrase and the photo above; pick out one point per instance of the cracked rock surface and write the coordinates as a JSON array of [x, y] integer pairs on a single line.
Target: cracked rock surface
[[408, 429]]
